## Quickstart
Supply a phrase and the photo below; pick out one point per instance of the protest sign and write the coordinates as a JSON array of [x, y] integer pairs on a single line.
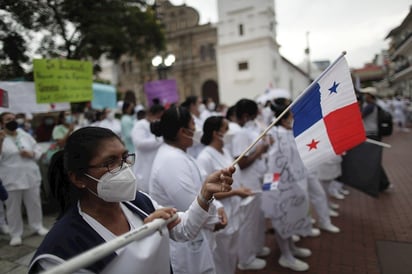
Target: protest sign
[[164, 90], [60, 80]]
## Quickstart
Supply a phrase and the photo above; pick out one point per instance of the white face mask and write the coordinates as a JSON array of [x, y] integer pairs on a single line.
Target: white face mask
[[118, 187], [20, 121], [201, 108], [111, 116], [211, 106], [196, 136], [227, 138]]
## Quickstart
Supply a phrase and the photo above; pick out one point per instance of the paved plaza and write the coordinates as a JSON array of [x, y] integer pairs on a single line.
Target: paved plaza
[[365, 222]]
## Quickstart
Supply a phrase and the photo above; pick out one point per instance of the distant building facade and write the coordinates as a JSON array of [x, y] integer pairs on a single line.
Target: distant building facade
[[400, 56], [194, 47], [237, 57], [248, 54]]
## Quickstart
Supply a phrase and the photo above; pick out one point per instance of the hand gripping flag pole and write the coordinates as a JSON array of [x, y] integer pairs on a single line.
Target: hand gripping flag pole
[[102, 250], [287, 109]]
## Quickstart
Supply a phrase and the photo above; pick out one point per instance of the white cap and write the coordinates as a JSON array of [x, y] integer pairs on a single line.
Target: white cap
[[370, 90]]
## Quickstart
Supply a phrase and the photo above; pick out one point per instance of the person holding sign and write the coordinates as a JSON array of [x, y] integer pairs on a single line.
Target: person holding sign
[[287, 203], [214, 157], [21, 177], [93, 181]]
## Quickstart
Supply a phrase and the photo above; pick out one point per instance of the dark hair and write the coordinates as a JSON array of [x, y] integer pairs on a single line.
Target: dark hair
[[190, 100], [141, 114], [213, 123], [60, 118], [156, 108], [156, 101], [172, 120], [126, 106], [4, 114], [80, 148], [246, 106], [278, 109], [230, 112]]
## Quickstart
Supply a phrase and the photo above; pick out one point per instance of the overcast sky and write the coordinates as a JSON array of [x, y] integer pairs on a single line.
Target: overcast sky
[[357, 26]]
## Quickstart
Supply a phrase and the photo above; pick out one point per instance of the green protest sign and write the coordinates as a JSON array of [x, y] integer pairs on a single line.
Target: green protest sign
[[60, 80]]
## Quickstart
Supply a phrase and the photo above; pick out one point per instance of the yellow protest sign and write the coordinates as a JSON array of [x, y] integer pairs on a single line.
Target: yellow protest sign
[[60, 80]]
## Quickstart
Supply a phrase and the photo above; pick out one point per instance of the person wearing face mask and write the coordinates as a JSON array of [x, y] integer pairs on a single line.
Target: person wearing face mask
[[111, 122], [284, 160], [45, 129], [93, 181], [209, 110], [127, 122], [214, 157], [175, 180], [146, 144], [196, 107], [63, 129], [252, 167], [21, 177]]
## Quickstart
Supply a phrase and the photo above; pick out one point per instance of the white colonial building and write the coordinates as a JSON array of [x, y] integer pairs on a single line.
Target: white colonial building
[[248, 56]]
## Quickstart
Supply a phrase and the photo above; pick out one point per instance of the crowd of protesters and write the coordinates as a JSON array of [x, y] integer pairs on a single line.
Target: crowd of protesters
[[174, 151]]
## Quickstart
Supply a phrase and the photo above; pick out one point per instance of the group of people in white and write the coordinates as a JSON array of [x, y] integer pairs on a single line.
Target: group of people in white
[[172, 175], [172, 163], [400, 108]]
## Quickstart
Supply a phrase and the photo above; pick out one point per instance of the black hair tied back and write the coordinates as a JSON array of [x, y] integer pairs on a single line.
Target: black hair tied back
[[59, 181], [156, 128]]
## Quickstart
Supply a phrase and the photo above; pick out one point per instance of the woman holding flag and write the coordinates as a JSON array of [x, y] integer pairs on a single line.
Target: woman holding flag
[[92, 179], [212, 158], [286, 202]]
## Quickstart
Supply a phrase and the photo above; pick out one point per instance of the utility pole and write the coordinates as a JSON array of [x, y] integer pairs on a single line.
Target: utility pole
[[307, 52]]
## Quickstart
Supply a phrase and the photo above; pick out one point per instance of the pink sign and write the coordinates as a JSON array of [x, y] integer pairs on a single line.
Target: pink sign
[[164, 90]]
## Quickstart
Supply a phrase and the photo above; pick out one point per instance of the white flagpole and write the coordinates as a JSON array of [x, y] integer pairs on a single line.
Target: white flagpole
[[382, 144], [98, 252], [287, 109]]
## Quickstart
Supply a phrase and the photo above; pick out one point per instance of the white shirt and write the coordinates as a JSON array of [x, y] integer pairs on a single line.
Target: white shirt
[[112, 124], [146, 145], [16, 172], [252, 175], [197, 146], [211, 160], [148, 255], [175, 181]]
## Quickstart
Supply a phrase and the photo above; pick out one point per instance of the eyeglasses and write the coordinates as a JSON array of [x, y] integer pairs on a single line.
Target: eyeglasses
[[115, 165]]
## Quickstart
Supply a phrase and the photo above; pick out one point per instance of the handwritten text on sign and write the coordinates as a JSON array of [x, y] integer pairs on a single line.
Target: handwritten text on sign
[[59, 80]]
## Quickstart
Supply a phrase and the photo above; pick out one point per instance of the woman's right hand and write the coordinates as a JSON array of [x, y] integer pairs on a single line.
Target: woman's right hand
[[218, 181]]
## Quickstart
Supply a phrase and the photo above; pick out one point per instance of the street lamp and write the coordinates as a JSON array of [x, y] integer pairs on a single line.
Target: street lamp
[[162, 65]]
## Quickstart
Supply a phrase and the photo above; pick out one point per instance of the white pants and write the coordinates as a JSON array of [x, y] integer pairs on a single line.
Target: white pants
[[31, 199], [318, 199], [225, 254], [252, 231]]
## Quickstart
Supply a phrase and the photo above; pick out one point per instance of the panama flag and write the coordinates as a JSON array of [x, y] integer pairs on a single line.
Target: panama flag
[[327, 119]]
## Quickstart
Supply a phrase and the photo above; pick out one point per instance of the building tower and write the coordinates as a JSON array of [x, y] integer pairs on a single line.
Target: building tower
[[248, 54]]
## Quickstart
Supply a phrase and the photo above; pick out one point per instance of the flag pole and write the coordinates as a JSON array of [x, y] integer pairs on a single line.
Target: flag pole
[[287, 109], [382, 144], [100, 251]]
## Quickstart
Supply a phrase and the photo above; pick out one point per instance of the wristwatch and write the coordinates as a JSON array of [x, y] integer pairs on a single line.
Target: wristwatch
[[203, 199]]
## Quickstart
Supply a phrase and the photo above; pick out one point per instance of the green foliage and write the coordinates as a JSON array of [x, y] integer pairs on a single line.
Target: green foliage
[[78, 29]]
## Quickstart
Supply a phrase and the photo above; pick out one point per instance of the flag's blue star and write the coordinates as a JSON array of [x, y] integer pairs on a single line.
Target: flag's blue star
[[334, 87]]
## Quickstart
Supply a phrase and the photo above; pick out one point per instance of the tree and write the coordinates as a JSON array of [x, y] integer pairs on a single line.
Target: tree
[[78, 29]]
